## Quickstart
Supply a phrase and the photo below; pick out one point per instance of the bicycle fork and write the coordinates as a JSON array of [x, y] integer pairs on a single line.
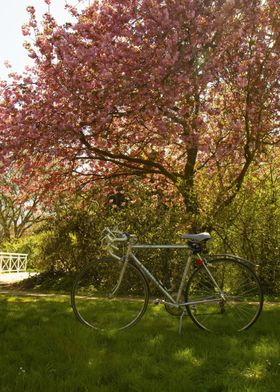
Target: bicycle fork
[[122, 271]]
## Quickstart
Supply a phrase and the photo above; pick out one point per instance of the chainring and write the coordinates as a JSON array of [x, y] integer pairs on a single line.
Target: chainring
[[174, 311]]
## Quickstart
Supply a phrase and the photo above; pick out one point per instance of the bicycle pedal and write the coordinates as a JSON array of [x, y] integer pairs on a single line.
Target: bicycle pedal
[[156, 302]]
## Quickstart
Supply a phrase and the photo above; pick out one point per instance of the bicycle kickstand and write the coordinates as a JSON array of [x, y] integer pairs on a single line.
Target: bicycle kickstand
[[181, 320]]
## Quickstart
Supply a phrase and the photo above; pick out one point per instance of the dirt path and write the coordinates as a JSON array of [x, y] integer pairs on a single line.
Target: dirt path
[[18, 293]]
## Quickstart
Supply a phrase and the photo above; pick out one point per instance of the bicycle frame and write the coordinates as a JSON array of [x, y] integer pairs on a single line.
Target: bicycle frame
[[173, 302]]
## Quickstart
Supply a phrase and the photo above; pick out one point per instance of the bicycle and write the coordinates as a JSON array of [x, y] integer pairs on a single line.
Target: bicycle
[[222, 292]]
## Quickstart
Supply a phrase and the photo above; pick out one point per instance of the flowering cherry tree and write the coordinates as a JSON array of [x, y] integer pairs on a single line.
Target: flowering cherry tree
[[175, 89]]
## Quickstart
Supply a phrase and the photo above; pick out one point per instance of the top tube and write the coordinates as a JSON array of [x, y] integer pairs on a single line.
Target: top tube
[[166, 246]]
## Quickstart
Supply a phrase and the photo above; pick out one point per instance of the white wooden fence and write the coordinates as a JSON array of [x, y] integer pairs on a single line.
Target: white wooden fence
[[13, 262]]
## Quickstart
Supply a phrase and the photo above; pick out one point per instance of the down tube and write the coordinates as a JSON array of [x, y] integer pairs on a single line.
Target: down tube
[[152, 278]]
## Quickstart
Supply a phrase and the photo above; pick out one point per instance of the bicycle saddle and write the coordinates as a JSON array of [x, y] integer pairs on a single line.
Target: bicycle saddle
[[197, 237]]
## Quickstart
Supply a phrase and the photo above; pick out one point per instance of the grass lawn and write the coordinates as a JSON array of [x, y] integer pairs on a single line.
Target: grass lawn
[[44, 349]]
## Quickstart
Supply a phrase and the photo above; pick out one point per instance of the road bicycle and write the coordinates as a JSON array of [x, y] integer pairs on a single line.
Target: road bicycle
[[222, 292]]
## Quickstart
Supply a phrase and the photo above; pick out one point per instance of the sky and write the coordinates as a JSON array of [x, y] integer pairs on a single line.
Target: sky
[[13, 15]]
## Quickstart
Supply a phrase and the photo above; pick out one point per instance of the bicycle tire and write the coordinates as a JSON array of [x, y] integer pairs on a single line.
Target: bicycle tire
[[242, 300], [93, 302]]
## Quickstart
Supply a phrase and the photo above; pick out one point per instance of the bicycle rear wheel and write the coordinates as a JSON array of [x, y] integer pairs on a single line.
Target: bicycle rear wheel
[[236, 308], [100, 303]]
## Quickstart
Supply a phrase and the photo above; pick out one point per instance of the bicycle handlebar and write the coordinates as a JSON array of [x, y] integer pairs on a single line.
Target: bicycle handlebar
[[111, 237], [115, 235]]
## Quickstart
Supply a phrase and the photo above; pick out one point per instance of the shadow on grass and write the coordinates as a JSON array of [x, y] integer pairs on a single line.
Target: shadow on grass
[[43, 348]]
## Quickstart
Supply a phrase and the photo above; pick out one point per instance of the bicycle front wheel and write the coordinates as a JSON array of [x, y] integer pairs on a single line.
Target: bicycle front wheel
[[230, 293], [108, 295]]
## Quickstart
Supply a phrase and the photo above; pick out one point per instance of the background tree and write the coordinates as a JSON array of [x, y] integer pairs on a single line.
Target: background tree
[[176, 90], [19, 210]]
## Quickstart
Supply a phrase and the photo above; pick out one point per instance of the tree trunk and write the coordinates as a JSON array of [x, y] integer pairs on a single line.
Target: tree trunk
[[186, 188]]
